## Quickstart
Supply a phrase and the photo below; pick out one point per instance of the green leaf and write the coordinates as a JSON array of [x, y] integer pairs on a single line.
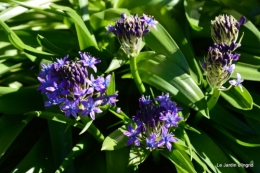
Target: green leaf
[[112, 85], [102, 19], [247, 155], [56, 117], [162, 43], [49, 46], [87, 125], [137, 155], [192, 13], [137, 3], [213, 99], [86, 39], [223, 117], [115, 140], [180, 159], [210, 152], [10, 128], [233, 138], [17, 10], [253, 113], [247, 71], [238, 99], [40, 155], [18, 43], [162, 73], [31, 100], [80, 148], [119, 158]]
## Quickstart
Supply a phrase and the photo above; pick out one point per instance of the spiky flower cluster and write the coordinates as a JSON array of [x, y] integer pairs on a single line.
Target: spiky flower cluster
[[153, 123], [130, 31], [68, 84], [225, 29], [218, 64]]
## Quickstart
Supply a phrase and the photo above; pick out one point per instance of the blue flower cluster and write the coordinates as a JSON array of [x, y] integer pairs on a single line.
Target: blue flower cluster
[[68, 84], [153, 123], [130, 31], [218, 64]]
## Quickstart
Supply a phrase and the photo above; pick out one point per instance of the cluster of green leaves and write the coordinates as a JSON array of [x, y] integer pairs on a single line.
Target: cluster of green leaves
[[219, 127]]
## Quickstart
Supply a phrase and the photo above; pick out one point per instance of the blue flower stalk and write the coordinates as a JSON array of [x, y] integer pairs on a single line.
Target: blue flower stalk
[[153, 124], [130, 31], [219, 62], [68, 85]]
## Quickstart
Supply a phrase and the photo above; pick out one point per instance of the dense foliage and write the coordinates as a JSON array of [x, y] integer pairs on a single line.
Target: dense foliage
[[130, 86]]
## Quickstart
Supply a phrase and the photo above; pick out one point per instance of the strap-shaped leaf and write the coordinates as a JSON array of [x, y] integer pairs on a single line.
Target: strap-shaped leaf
[[86, 39], [180, 159], [31, 100], [39, 153], [164, 74], [192, 13], [210, 152], [238, 99], [115, 140], [247, 71], [11, 126], [137, 3], [137, 155], [161, 42]]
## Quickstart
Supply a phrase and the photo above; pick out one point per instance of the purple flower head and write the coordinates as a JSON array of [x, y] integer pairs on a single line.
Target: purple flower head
[[218, 64], [130, 31], [152, 118], [151, 142], [237, 82], [60, 62], [46, 70], [70, 108], [149, 21], [225, 29], [167, 139], [133, 135], [170, 118], [90, 107], [89, 61], [66, 84]]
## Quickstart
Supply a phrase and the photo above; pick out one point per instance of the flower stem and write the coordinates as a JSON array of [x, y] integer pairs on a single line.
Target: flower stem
[[93, 130], [136, 76], [156, 156]]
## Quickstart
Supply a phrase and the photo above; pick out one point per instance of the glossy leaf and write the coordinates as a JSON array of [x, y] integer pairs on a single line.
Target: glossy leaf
[[119, 158], [49, 46], [40, 154], [32, 100], [80, 148], [164, 74], [10, 128], [192, 13], [102, 19], [162, 43], [137, 155], [137, 3], [55, 117], [247, 71], [230, 121], [180, 159], [209, 152], [237, 98], [115, 140], [86, 39]]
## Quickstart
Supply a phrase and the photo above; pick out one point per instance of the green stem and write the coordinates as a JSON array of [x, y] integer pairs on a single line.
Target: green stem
[[213, 99], [93, 130], [156, 156], [136, 76]]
